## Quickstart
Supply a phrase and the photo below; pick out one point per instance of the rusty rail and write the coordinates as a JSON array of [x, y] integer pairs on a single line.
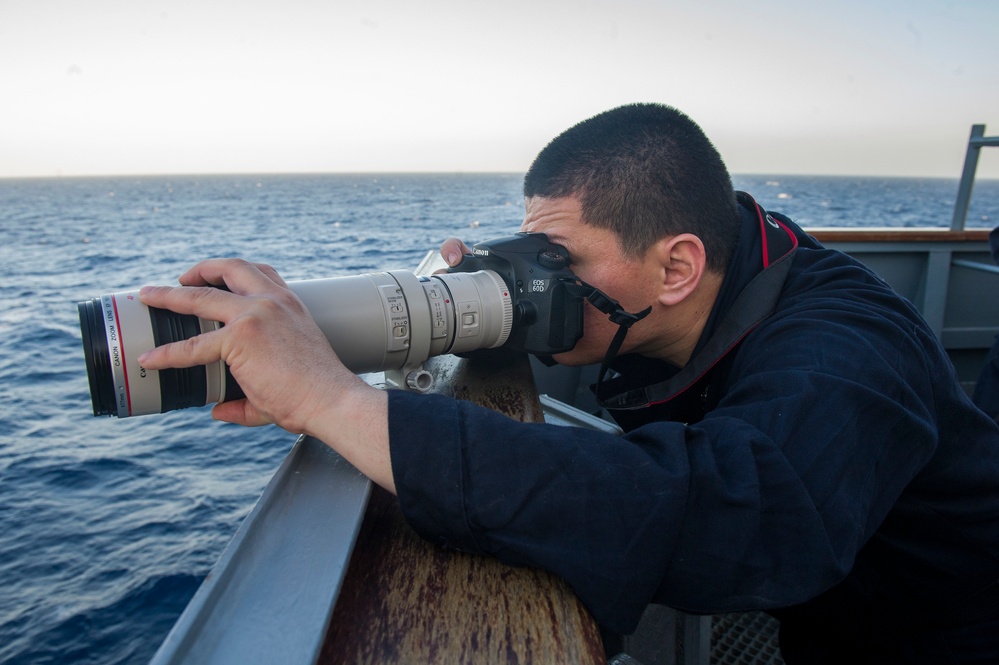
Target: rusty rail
[[404, 600]]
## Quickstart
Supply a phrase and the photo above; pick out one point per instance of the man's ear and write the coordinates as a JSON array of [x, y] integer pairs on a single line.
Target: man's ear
[[682, 263]]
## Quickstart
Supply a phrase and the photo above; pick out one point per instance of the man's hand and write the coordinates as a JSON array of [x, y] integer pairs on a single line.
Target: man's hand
[[280, 358]]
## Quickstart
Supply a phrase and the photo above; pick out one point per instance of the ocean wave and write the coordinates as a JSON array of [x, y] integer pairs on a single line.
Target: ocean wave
[[104, 472], [94, 635]]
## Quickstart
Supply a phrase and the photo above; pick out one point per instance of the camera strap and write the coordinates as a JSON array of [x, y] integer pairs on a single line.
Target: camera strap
[[614, 312]]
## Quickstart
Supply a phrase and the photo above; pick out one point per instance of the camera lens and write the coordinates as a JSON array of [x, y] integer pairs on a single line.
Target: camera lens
[[375, 322], [116, 328], [391, 320], [183, 387], [97, 357]]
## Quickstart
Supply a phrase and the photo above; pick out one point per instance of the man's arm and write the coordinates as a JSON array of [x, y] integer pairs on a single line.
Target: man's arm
[[280, 358]]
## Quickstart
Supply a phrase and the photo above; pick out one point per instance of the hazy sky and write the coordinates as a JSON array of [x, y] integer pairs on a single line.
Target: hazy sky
[[887, 87]]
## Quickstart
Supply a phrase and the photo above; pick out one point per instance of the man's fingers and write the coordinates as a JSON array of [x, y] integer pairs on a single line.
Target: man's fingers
[[452, 250], [206, 302], [239, 412], [235, 274], [271, 273], [198, 350]]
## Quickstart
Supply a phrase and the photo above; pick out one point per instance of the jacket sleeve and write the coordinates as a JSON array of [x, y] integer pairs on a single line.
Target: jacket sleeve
[[762, 504]]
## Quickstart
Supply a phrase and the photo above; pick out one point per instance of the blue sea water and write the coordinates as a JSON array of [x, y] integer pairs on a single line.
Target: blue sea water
[[108, 526]]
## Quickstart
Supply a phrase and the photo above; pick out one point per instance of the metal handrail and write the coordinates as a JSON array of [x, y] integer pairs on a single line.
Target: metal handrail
[[976, 142], [975, 265], [270, 595]]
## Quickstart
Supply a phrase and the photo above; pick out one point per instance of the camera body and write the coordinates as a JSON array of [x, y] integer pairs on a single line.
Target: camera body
[[547, 318]]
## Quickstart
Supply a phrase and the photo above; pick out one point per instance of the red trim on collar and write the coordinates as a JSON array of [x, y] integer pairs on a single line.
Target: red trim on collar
[[769, 219]]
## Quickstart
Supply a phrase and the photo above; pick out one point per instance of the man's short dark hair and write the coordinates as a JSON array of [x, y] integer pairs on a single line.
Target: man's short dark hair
[[644, 171]]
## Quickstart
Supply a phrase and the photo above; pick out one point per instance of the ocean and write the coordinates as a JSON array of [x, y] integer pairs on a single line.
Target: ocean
[[108, 526]]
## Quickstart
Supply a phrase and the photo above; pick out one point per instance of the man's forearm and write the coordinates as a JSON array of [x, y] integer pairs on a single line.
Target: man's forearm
[[356, 426]]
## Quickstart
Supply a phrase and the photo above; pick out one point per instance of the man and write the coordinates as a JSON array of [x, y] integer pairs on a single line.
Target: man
[[797, 441]]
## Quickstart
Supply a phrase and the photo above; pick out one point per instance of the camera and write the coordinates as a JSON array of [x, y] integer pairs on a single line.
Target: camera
[[511, 292], [547, 315]]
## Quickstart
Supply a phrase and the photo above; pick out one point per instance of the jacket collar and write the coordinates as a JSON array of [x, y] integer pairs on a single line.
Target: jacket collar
[[753, 282]]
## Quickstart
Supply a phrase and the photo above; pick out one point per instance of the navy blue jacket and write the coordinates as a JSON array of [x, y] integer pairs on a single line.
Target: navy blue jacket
[[829, 468]]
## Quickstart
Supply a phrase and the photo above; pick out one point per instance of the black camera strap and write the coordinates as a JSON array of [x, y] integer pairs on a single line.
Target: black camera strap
[[612, 308]]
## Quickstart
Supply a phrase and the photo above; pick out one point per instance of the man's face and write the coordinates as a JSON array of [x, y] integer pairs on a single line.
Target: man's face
[[596, 258]]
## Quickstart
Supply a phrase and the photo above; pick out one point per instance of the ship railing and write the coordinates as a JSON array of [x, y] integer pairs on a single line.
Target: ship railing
[[976, 142]]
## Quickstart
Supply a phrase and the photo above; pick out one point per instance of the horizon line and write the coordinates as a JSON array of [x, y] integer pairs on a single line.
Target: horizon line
[[458, 172]]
